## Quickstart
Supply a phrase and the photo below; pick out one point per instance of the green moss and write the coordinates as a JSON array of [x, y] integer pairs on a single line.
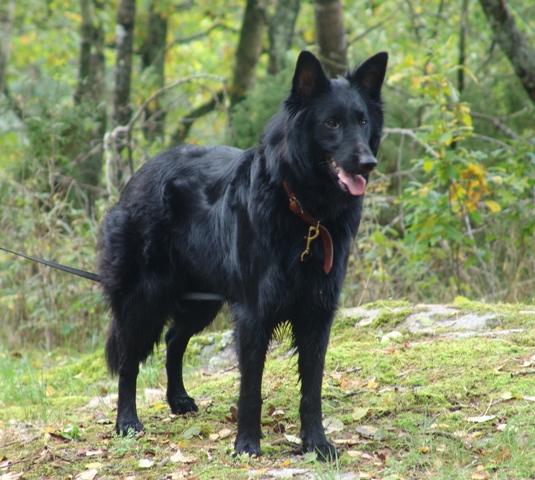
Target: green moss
[[418, 394]]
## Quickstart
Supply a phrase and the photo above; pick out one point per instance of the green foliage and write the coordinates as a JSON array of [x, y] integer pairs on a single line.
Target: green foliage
[[449, 213], [453, 212], [38, 304], [250, 116]]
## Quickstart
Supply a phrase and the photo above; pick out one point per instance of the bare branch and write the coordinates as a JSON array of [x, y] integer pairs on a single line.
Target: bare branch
[[492, 140], [499, 125], [112, 146], [360, 36], [199, 35], [410, 133]]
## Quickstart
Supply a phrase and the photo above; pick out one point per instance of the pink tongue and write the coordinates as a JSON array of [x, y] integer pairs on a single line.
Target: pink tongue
[[355, 184]]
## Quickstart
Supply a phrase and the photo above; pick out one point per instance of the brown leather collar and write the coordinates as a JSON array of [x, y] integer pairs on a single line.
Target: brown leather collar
[[314, 231]]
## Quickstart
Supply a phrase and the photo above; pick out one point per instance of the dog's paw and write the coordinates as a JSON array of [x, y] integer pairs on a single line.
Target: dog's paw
[[325, 451], [182, 404], [126, 426], [248, 446]]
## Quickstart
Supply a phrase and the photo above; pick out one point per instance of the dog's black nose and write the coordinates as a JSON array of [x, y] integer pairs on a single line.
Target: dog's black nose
[[367, 164]]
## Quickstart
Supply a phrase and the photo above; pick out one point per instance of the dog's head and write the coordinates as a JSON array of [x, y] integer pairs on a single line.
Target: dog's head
[[339, 121]]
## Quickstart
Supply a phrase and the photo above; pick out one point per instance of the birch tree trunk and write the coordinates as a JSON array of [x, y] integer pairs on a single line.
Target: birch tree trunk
[[90, 94], [153, 57], [281, 32], [124, 39]]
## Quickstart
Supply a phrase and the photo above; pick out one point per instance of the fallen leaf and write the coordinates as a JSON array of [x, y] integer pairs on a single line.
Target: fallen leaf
[[346, 441], [504, 455], [480, 476], [49, 391], [372, 384], [293, 439], [331, 425], [145, 463], [367, 431], [360, 413], [191, 432], [11, 476], [87, 475], [94, 453], [225, 433], [233, 415], [481, 419], [179, 457]]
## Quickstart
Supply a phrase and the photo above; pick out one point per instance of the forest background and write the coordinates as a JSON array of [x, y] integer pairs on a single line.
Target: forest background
[[90, 90]]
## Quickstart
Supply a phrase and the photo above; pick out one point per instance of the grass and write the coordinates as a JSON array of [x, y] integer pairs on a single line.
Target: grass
[[415, 407]]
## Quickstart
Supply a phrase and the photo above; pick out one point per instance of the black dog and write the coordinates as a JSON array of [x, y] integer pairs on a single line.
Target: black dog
[[243, 225]]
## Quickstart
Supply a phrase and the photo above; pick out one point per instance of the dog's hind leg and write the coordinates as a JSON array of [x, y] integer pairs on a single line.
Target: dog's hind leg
[[124, 360], [133, 333], [311, 336], [188, 322]]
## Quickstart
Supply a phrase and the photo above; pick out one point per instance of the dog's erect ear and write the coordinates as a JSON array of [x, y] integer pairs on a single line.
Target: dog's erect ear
[[370, 75], [309, 78]]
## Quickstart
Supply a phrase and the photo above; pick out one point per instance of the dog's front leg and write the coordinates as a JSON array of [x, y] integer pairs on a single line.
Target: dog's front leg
[[252, 341], [311, 338]]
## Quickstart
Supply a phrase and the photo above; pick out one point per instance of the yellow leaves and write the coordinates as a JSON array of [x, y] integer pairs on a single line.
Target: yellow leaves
[[428, 165], [49, 391], [28, 39], [493, 206], [372, 385], [466, 193], [480, 473]]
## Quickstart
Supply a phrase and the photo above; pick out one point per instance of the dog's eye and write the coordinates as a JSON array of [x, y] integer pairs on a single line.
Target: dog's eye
[[363, 123], [332, 123]]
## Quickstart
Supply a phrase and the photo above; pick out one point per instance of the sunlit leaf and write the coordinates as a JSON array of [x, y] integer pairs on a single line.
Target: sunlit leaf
[[145, 463], [481, 419]]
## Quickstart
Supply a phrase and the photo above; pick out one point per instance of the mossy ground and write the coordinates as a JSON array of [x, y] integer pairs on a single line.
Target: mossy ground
[[416, 406]]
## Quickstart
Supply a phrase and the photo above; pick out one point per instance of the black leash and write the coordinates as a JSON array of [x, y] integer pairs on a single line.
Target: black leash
[[95, 278]]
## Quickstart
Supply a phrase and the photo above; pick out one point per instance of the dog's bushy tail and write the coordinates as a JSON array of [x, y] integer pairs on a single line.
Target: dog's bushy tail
[[113, 356]]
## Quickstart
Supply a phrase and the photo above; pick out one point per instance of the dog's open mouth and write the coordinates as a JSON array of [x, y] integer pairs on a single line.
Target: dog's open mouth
[[355, 184]]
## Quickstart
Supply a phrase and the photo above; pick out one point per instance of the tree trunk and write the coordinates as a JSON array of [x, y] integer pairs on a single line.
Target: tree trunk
[[153, 57], [462, 46], [90, 95], [247, 55], [124, 39], [281, 32], [249, 49], [331, 35], [513, 43], [7, 14]]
